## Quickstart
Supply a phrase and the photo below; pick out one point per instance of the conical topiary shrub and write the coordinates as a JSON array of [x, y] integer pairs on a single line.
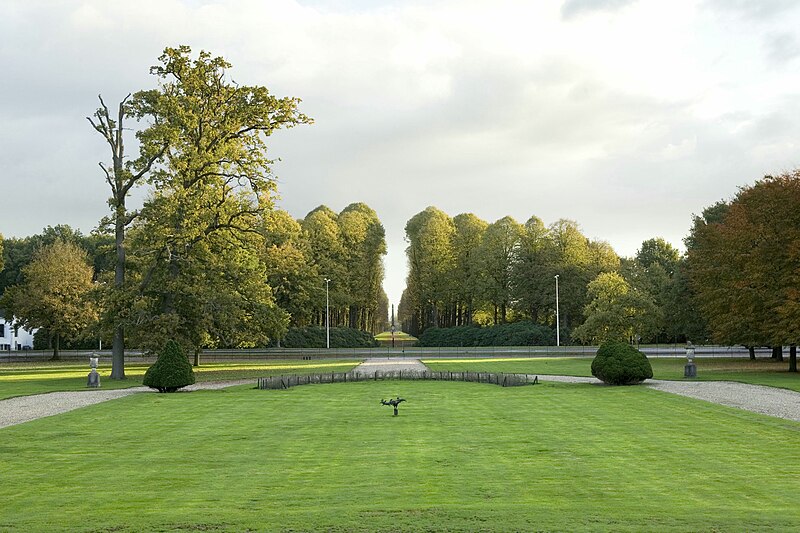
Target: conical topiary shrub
[[618, 363], [171, 371]]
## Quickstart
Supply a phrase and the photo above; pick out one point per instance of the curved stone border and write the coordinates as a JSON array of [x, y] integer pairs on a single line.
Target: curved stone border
[[504, 380]]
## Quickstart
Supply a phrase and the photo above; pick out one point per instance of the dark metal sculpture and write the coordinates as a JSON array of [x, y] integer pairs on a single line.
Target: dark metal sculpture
[[394, 403]]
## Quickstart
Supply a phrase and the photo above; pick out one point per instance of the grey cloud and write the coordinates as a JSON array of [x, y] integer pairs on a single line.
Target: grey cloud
[[782, 47], [752, 9], [573, 8]]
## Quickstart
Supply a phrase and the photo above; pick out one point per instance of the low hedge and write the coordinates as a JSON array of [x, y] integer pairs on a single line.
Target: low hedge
[[618, 363], [515, 334], [314, 337]]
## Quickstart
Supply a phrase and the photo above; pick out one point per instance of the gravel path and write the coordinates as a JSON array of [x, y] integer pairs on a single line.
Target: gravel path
[[770, 401], [389, 364], [25, 408], [756, 398]]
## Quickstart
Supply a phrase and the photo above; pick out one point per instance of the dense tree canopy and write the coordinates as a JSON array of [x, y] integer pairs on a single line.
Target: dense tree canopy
[[431, 261], [743, 264], [347, 248], [466, 275], [616, 311], [55, 293], [291, 271], [464, 270], [201, 277], [497, 255]]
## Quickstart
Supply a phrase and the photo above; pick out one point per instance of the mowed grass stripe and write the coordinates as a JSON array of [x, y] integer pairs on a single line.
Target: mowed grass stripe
[[460, 456]]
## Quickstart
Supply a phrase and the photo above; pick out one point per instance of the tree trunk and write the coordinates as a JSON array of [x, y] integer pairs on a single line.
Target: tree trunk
[[752, 350], [777, 353], [118, 345], [56, 345], [118, 354], [792, 358], [353, 317], [196, 357]]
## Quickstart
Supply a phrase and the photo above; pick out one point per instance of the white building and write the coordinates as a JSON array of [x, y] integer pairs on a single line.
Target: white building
[[12, 338]]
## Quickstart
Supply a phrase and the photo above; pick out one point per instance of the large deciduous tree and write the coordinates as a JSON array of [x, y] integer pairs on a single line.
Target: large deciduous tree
[[743, 265], [652, 271], [534, 290], [363, 238], [18, 252], [430, 265], [577, 260], [201, 274], [496, 254], [321, 229], [291, 273], [347, 249], [616, 311], [469, 230], [55, 294]]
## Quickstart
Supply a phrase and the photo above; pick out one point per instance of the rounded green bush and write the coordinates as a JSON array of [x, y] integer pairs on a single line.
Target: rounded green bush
[[171, 371], [618, 363]]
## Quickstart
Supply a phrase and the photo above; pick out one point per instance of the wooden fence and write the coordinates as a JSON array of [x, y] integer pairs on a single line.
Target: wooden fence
[[504, 380]]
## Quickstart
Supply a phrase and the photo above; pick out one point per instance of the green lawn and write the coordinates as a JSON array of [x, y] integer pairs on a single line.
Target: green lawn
[[460, 457], [22, 379], [758, 372]]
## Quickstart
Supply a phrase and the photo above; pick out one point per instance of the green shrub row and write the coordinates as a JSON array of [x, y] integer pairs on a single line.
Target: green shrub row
[[516, 334], [314, 337]]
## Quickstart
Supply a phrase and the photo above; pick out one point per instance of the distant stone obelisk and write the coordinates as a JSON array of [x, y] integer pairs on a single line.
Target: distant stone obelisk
[[393, 328]]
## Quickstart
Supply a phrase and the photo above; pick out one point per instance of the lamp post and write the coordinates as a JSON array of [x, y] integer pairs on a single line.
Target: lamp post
[[327, 316], [558, 324], [392, 325]]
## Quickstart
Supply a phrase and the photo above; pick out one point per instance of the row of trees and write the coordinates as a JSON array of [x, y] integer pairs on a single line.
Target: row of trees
[[463, 271], [738, 283], [296, 254], [208, 260]]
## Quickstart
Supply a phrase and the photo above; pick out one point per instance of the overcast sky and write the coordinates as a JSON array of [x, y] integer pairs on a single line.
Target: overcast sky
[[626, 116]]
